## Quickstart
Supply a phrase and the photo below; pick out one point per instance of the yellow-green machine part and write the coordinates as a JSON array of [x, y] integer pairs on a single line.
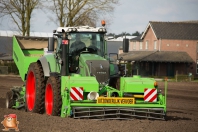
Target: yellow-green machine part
[[128, 103]]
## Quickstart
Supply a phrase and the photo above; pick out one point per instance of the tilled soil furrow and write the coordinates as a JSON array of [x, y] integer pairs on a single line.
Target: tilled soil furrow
[[182, 114]]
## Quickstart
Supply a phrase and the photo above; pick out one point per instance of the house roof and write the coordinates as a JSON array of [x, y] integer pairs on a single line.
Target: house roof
[[157, 56], [138, 38], [169, 56], [120, 38], [186, 30], [135, 55]]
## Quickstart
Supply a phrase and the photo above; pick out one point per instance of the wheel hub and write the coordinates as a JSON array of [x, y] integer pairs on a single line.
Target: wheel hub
[[49, 99], [31, 90]]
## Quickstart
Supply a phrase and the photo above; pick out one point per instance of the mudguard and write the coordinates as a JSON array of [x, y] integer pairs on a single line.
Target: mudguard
[[45, 66]]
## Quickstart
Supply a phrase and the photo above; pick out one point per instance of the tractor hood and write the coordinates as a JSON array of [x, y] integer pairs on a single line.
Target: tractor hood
[[95, 66]]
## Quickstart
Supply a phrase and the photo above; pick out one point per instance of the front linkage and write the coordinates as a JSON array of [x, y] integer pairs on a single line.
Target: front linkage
[[15, 98]]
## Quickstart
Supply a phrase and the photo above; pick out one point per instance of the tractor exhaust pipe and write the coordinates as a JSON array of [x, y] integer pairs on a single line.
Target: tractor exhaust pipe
[[65, 56], [51, 44]]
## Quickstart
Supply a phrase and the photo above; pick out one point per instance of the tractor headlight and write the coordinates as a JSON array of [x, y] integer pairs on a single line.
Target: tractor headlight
[[100, 30], [92, 96], [74, 29], [70, 29]]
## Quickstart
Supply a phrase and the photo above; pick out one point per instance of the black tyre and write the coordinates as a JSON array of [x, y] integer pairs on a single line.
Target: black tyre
[[35, 88], [9, 100], [53, 100]]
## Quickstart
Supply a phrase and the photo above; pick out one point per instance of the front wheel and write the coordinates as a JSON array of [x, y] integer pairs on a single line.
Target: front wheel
[[9, 100], [53, 99]]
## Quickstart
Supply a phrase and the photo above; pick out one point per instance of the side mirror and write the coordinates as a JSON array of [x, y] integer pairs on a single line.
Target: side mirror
[[51, 44], [125, 45]]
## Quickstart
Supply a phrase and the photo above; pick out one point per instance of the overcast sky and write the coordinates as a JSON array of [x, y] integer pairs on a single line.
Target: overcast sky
[[129, 16]]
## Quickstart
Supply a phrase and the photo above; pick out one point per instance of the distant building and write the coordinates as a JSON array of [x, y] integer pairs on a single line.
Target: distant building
[[111, 38], [165, 49], [114, 45]]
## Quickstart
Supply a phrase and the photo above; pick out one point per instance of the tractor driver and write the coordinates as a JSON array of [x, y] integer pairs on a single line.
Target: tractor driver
[[78, 43], [76, 46]]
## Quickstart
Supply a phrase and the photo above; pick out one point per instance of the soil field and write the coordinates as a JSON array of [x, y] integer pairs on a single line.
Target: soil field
[[182, 114]]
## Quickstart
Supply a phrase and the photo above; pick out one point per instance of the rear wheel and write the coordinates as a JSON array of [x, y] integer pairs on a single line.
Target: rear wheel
[[53, 98], [35, 88]]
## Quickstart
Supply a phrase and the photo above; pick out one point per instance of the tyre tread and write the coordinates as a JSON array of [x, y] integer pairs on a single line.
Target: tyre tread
[[40, 87], [56, 87]]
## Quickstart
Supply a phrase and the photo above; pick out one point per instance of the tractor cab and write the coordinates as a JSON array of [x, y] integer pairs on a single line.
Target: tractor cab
[[82, 40]]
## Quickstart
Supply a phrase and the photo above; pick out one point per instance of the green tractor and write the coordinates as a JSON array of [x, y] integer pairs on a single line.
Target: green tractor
[[71, 75]]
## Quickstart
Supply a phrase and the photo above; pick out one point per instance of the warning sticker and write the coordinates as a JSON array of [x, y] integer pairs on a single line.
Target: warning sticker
[[115, 100]]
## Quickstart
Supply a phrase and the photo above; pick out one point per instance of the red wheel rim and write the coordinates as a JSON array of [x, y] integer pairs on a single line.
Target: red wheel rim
[[49, 99], [30, 91]]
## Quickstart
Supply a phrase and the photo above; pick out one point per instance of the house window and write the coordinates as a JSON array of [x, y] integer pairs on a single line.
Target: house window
[[155, 44], [140, 45], [177, 44], [197, 66], [186, 45], [167, 44], [146, 45], [134, 45]]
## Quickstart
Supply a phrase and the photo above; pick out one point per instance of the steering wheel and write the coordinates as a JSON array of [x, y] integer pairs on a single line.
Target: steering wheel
[[77, 50], [92, 48]]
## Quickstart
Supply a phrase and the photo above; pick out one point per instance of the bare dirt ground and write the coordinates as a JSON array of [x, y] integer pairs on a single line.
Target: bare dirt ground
[[182, 114]]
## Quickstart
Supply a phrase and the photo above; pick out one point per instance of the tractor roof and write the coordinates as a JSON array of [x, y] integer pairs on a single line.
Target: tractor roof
[[81, 29]]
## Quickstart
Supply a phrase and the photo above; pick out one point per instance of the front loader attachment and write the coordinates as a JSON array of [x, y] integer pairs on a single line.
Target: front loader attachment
[[15, 98]]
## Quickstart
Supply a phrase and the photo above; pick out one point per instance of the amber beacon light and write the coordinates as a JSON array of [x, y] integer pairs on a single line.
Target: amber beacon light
[[103, 23]]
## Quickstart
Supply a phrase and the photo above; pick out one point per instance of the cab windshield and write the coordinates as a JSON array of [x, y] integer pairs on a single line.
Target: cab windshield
[[88, 42]]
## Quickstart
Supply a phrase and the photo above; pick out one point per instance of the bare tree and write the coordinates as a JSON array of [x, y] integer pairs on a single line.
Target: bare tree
[[81, 12], [20, 11]]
